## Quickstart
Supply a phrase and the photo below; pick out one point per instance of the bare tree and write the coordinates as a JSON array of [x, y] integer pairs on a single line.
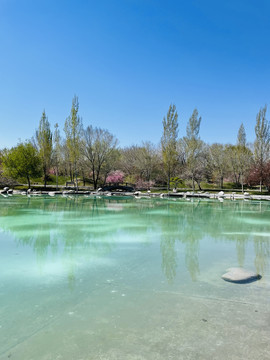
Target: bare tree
[[219, 161], [99, 148], [129, 159]]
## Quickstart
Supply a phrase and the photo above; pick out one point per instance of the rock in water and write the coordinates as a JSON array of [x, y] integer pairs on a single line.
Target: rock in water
[[240, 276]]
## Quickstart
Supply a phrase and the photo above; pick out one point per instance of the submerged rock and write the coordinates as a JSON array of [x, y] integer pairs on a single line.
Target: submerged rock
[[240, 276]]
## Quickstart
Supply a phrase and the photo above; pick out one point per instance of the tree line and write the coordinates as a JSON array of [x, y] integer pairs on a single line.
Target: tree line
[[91, 154]]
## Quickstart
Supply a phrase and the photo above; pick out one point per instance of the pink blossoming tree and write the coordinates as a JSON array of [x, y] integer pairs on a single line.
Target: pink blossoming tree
[[115, 177]]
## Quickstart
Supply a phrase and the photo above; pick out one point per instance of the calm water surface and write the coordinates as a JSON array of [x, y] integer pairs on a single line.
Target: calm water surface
[[116, 278]]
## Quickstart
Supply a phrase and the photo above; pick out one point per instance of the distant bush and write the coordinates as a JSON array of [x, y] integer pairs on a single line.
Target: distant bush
[[176, 182], [143, 184]]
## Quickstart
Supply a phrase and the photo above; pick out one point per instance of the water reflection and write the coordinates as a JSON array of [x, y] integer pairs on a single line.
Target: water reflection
[[90, 228], [167, 244]]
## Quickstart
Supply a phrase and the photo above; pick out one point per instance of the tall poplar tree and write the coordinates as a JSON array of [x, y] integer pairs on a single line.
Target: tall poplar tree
[[262, 142], [44, 144], [169, 142], [241, 136], [57, 150], [193, 145], [244, 155], [73, 131]]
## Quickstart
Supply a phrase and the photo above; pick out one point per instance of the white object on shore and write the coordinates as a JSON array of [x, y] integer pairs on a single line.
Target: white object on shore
[[221, 194], [66, 192], [4, 191]]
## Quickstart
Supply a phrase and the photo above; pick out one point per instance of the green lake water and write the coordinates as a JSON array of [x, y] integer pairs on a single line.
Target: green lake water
[[84, 278]]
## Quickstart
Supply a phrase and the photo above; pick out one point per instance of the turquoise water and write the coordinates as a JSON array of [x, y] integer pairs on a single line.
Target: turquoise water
[[120, 278]]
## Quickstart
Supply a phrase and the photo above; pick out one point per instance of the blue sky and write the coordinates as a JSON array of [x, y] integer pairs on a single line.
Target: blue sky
[[127, 60]]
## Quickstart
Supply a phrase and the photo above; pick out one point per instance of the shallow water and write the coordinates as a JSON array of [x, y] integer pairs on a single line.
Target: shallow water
[[120, 278]]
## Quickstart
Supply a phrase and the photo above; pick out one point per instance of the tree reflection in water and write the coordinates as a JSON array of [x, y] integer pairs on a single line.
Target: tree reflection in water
[[64, 226]]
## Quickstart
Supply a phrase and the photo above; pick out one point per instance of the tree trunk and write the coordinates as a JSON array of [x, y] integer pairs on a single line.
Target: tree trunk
[[76, 175], [242, 183], [105, 178], [70, 172], [199, 185], [56, 177], [169, 178], [193, 185], [221, 182], [28, 180], [45, 177], [261, 185], [94, 178], [97, 176], [238, 179], [76, 180]]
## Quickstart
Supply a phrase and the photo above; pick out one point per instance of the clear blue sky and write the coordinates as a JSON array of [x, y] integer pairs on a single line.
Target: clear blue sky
[[127, 60]]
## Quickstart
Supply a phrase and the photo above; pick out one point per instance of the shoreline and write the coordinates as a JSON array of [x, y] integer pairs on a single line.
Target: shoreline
[[221, 196]]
